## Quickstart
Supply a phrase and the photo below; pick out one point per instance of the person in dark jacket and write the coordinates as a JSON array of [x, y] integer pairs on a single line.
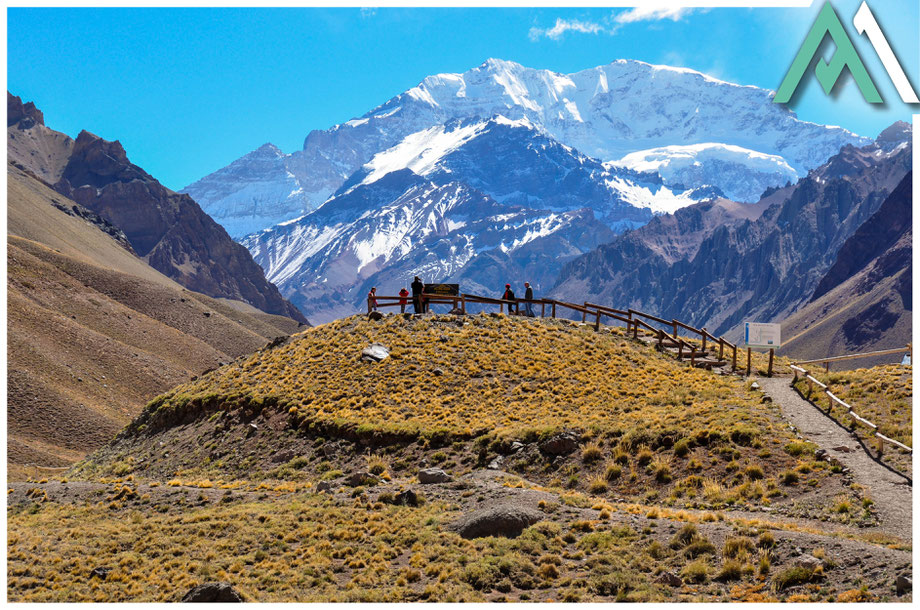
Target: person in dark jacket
[[528, 294], [417, 288], [508, 296]]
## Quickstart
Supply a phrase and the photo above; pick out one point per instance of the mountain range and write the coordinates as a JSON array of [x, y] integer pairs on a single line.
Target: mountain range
[[719, 264], [607, 113], [561, 163], [166, 229]]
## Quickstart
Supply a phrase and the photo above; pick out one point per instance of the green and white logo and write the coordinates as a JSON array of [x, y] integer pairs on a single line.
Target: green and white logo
[[845, 56]]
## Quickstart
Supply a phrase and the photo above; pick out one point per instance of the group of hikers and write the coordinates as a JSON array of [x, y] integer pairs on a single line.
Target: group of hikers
[[420, 305]]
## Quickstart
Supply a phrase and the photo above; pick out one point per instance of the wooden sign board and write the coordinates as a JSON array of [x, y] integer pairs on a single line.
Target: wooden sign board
[[447, 290], [758, 334]]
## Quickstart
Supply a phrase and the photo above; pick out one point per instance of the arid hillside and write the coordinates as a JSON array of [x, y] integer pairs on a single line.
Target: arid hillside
[[94, 332]]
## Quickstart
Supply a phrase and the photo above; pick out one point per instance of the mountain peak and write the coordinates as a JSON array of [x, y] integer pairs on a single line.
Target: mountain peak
[[895, 134], [26, 115]]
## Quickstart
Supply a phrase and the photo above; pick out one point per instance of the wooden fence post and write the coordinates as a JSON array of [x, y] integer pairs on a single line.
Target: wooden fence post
[[749, 363], [675, 329], [770, 366], [660, 337], [554, 309], [584, 315], [463, 303], [734, 358], [704, 339], [542, 310], [721, 347], [597, 321], [635, 330]]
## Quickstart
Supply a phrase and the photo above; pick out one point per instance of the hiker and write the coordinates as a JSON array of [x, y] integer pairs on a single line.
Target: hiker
[[417, 288], [508, 296], [528, 306], [403, 299], [372, 300]]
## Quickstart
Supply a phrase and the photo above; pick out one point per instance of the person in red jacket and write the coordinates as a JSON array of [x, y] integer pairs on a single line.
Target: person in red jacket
[[403, 299], [508, 296], [372, 300]]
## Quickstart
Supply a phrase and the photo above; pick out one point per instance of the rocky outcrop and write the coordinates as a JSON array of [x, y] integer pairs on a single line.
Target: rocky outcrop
[[760, 266], [503, 520], [168, 230], [219, 592]]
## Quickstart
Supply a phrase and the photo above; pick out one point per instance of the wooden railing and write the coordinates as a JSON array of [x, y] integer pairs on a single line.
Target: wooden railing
[[631, 318], [827, 361], [812, 382]]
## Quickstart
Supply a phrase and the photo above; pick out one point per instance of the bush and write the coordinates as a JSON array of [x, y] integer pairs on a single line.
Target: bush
[[591, 453], [698, 547], [598, 485], [613, 471], [736, 547], [682, 448], [766, 541], [789, 477], [697, 571], [791, 577], [731, 570], [685, 536], [798, 448], [754, 472]]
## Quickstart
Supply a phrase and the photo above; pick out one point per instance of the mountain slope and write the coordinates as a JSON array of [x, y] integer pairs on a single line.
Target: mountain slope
[[166, 229], [863, 302], [757, 269], [604, 112], [94, 332], [385, 232]]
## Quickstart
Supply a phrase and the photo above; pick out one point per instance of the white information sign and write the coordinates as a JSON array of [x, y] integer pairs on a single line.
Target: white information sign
[[757, 334]]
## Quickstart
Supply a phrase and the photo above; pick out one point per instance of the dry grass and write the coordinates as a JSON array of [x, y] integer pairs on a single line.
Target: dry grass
[[881, 394], [494, 374]]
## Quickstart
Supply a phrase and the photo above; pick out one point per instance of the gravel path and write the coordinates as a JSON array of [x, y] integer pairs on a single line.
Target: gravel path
[[890, 491]]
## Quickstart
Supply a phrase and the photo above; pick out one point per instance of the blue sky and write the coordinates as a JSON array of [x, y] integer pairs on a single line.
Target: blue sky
[[187, 91]]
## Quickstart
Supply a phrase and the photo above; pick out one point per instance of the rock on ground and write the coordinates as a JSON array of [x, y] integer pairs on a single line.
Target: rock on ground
[[212, 592], [433, 475], [503, 520]]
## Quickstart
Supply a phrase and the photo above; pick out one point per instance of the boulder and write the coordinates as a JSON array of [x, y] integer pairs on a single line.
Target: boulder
[[433, 475], [100, 573], [516, 446], [219, 592], [561, 444], [375, 316], [406, 498], [375, 353], [357, 479], [325, 486], [809, 562], [502, 520], [497, 463], [670, 579], [285, 455], [903, 585]]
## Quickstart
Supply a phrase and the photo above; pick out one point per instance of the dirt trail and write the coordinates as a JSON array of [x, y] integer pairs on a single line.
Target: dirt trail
[[890, 491]]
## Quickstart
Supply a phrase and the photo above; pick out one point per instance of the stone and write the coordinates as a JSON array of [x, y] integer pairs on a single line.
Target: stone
[[502, 520], [375, 316], [375, 353], [284, 456], [437, 372], [820, 454], [842, 449], [252, 429], [516, 446], [561, 444], [755, 386], [357, 479], [670, 579], [430, 476], [809, 562], [903, 585], [406, 498], [101, 573], [496, 464], [220, 592], [325, 486]]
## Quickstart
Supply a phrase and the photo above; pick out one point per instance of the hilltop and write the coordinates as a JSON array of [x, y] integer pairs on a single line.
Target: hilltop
[[463, 392], [486, 458]]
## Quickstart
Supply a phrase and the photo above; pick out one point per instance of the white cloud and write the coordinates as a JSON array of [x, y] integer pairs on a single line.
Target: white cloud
[[566, 25], [652, 13], [611, 23]]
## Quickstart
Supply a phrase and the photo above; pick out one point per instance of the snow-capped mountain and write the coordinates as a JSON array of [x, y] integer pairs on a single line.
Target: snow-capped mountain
[[742, 174], [606, 113], [514, 162], [383, 232], [256, 191]]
